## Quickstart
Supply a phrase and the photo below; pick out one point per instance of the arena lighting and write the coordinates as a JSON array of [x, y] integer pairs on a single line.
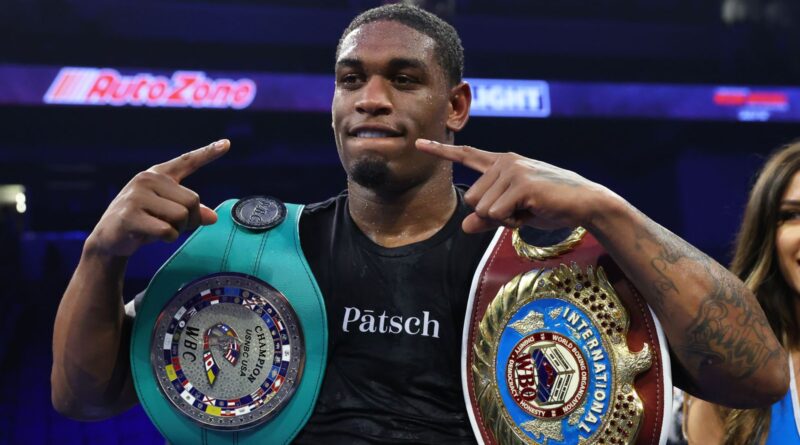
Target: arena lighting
[[21, 204], [22, 85], [13, 195], [777, 14]]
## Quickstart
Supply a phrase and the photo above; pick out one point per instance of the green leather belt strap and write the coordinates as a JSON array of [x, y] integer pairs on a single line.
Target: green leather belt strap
[[274, 256]]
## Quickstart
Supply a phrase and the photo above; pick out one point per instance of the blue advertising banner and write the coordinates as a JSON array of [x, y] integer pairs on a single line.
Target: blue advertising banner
[[96, 86]]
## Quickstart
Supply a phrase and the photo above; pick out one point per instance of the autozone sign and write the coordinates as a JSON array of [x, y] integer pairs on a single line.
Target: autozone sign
[[185, 89]]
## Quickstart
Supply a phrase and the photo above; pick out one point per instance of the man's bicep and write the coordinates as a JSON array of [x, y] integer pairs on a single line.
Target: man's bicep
[[123, 376], [127, 394], [98, 400]]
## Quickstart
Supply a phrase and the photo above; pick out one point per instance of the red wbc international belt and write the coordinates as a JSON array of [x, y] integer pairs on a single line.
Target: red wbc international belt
[[560, 348]]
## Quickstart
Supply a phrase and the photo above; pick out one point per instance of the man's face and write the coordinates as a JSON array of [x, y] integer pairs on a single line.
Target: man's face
[[390, 90]]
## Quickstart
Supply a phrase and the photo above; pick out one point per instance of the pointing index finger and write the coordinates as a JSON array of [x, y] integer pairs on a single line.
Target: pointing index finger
[[187, 163], [471, 157]]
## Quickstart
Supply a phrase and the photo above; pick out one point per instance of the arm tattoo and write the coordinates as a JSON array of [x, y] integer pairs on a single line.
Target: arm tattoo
[[671, 250], [727, 330]]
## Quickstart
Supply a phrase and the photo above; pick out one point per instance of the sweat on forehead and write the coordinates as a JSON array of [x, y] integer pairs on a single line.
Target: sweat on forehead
[[448, 51]]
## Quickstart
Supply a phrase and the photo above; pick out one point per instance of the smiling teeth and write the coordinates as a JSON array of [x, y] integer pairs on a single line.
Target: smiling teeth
[[372, 134]]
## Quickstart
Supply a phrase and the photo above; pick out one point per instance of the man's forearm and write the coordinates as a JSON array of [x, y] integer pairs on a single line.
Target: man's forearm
[[87, 377], [91, 375], [716, 327]]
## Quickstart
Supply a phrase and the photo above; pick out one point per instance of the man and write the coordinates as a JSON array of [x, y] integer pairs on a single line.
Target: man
[[402, 243]]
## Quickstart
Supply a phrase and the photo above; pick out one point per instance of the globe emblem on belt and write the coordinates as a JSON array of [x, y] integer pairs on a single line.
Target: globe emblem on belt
[[228, 351], [224, 338]]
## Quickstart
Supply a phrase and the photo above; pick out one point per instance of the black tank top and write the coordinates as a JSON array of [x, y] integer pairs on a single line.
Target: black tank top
[[395, 317]]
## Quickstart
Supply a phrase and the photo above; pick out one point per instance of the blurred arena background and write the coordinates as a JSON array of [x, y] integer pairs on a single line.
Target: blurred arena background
[[671, 103]]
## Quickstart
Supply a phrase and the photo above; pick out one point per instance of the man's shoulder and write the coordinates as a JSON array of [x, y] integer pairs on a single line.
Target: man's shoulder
[[318, 221], [327, 206]]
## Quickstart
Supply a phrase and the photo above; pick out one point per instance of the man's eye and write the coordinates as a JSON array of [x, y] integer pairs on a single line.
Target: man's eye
[[349, 79], [404, 80]]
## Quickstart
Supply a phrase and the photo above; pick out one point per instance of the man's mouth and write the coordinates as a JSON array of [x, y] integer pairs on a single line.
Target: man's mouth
[[373, 131], [368, 134]]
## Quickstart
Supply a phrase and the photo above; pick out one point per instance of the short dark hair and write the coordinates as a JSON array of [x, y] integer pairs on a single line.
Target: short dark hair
[[449, 51]]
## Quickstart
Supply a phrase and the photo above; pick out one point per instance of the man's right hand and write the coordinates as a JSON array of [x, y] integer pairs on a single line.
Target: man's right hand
[[91, 377], [154, 205]]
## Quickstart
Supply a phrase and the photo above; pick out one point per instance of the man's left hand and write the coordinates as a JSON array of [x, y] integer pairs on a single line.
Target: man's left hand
[[514, 190]]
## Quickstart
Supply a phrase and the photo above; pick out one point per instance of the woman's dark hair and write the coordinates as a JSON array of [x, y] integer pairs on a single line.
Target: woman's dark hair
[[755, 261]]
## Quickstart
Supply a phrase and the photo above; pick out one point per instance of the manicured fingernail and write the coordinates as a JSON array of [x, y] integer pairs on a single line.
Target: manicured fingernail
[[219, 144], [426, 141]]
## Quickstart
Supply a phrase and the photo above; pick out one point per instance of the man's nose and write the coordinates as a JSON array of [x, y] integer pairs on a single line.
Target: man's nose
[[375, 98]]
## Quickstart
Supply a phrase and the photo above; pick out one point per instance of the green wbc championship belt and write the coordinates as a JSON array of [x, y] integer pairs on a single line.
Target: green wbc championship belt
[[230, 341]]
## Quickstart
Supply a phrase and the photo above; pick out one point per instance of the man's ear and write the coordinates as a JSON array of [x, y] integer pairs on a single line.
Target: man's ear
[[460, 100]]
